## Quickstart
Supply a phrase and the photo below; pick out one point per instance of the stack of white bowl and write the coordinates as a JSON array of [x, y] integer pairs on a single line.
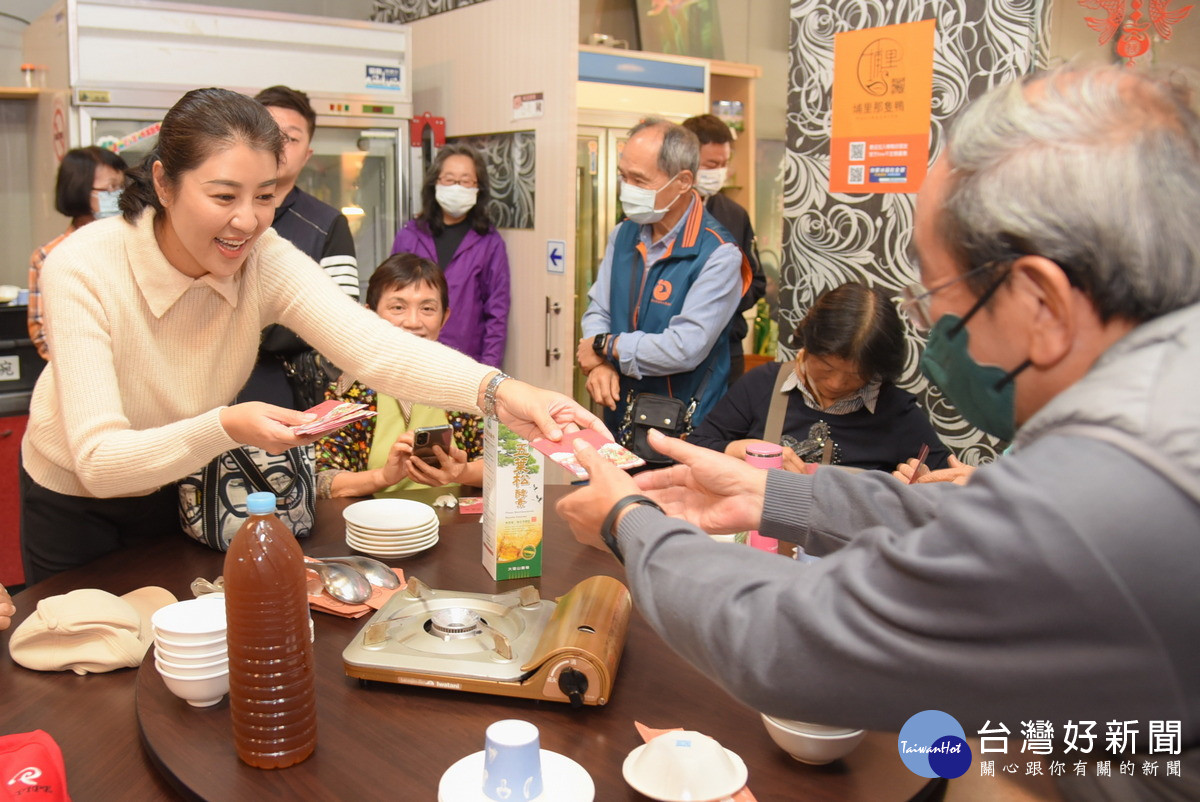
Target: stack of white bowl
[[390, 527], [190, 651]]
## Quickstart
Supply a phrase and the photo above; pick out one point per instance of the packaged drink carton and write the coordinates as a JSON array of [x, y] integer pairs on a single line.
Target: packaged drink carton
[[512, 504]]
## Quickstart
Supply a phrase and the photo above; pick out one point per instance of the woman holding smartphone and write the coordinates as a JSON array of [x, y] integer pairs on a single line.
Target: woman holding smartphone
[[154, 321], [377, 454]]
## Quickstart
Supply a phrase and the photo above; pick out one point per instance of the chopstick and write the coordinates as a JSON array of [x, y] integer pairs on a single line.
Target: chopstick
[[921, 455]]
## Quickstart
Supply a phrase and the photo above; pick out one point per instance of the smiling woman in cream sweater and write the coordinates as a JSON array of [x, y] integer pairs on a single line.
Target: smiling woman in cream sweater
[[155, 321]]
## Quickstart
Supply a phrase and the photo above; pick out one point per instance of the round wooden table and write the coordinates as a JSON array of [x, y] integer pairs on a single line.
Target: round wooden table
[[394, 741]]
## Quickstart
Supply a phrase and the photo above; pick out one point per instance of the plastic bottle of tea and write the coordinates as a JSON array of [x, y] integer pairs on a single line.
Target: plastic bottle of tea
[[272, 684]]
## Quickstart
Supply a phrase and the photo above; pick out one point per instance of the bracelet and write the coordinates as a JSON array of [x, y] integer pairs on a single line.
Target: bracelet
[[489, 394], [606, 528], [608, 349]]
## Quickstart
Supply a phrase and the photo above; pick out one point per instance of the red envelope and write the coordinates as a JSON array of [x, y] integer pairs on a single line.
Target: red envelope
[[563, 452]]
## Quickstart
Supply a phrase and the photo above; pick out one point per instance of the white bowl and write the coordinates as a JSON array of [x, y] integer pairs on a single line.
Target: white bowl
[[190, 670], [190, 658], [389, 514], [684, 765], [191, 621], [815, 744], [185, 649], [197, 691]]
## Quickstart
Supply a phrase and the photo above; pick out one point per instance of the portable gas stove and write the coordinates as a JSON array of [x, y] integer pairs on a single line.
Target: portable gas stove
[[509, 644]]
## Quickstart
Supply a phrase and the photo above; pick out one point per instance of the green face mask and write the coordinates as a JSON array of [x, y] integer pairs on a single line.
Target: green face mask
[[983, 394]]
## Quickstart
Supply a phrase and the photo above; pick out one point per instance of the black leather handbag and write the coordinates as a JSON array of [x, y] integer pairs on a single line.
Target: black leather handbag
[[647, 411]]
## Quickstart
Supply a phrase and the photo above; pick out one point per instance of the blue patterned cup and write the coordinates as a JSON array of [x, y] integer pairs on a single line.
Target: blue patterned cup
[[512, 762]]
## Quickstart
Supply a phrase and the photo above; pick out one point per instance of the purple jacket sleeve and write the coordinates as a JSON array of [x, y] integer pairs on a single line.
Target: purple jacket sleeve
[[496, 301]]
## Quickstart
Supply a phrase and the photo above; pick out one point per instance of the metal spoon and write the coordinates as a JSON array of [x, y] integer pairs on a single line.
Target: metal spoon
[[376, 572], [341, 581]]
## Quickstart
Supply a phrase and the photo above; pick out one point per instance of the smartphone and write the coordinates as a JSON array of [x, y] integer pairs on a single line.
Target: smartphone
[[426, 437]]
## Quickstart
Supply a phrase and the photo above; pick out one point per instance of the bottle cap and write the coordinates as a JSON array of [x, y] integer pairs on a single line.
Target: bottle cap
[[260, 503], [764, 450]]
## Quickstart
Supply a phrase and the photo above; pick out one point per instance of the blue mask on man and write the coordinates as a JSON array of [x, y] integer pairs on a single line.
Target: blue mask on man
[[983, 394]]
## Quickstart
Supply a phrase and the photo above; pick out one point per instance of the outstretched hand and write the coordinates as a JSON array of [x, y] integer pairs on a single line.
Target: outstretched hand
[[266, 426], [956, 472], [584, 510], [532, 412], [716, 492]]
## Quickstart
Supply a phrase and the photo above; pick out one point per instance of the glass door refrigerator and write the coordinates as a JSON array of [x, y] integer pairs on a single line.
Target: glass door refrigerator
[[112, 68]]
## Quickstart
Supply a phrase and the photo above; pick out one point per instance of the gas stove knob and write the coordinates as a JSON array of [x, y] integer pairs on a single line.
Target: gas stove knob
[[574, 684]]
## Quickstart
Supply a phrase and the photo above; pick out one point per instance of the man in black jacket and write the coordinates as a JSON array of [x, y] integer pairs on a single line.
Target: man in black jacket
[[285, 374], [716, 145]]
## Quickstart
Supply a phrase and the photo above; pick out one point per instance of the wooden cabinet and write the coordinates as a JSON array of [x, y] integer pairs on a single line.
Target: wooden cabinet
[[728, 80], [12, 429]]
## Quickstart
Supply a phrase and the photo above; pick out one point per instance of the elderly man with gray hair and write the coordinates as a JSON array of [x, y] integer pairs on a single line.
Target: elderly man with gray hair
[[670, 281], [1054, 596]]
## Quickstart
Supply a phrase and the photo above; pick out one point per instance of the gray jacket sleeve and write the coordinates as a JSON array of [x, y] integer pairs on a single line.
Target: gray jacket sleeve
[[1042, 590]]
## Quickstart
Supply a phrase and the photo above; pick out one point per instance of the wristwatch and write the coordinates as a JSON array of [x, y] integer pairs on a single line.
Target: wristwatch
[[610, 520], [598, 344]]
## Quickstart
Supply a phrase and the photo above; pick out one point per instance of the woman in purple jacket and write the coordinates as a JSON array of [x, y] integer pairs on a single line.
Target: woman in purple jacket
[[454, 231]]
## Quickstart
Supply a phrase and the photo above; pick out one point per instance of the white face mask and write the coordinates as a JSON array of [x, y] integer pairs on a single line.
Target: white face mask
[[108, 203], [455, 200], [638, 203], [709, 182]]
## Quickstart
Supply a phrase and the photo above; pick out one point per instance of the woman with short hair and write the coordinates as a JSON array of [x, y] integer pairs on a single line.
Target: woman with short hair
[[841, 401], [376, 454], [88, 187]]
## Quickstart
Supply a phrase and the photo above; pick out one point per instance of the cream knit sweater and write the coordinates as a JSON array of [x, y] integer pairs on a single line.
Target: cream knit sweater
[[144, 357]]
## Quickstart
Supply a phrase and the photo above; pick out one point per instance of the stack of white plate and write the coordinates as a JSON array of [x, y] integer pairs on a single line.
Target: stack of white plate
[[390, 527]]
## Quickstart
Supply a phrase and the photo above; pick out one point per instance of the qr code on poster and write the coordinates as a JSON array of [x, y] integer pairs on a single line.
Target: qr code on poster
[[858, 151], [857, 174]]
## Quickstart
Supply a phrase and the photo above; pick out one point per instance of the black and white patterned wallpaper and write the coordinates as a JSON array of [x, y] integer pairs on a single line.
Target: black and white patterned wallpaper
[[511, 160], [829, 239], [403, 11]]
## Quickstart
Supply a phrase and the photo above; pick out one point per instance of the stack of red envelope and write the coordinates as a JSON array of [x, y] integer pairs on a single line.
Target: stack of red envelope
[[333, 415]]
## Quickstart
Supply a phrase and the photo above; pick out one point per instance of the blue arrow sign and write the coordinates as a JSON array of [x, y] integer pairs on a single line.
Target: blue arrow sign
[[556, 256]]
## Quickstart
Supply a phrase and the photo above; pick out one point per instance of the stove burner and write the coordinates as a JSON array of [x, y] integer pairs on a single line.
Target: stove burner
[[454, 623]]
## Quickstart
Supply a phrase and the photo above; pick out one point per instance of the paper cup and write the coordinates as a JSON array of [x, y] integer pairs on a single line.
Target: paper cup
[[512, 762]]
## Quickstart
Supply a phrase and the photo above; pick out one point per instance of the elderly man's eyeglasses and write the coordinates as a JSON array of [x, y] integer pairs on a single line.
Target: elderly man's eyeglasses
[[916, 300]]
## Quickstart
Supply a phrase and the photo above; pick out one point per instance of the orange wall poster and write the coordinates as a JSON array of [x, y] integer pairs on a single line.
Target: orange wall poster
[[882, 90]]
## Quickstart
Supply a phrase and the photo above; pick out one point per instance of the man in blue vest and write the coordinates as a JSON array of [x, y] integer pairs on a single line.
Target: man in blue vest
[[659, 311]]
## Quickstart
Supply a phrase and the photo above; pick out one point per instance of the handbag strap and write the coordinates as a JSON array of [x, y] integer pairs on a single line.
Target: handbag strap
[[256, 478], [699, 394], [773, 432], [210, 505]]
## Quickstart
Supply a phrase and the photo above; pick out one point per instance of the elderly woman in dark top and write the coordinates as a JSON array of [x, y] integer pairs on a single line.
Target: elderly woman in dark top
[[840, 403]]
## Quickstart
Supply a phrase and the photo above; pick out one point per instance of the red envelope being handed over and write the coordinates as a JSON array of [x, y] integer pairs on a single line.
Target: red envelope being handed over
[[563, 452], [331, 416]]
